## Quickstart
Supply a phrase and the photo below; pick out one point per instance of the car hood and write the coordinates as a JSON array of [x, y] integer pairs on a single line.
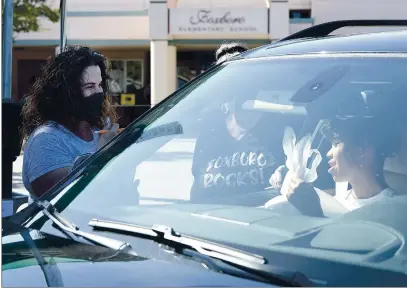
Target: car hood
[[69, 263], [119, 274], [221, 223], [248, 227], [359, 239]]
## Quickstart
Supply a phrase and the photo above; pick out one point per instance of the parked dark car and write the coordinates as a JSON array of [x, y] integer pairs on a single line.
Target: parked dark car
[[128, 215]]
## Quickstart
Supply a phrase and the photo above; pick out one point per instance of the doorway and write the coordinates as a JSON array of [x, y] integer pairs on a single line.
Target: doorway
[[27, 72]]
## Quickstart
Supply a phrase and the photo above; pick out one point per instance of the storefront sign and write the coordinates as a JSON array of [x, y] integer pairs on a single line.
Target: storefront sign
[[219, 21]]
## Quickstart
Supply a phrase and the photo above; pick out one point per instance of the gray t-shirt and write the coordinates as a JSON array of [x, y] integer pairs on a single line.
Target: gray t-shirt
[[50, 147]]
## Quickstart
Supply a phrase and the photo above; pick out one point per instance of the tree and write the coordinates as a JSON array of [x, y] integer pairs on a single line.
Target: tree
[[28, 12]]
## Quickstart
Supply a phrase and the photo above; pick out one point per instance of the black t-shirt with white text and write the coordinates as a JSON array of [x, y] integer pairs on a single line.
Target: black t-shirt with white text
[[224, 166]]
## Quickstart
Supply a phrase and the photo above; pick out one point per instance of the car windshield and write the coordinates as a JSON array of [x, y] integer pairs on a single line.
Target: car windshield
[[326, 119], [221, 137]]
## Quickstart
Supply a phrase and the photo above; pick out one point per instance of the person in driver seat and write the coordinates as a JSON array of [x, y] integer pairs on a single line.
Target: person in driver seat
[[359, 150], [232, 158]]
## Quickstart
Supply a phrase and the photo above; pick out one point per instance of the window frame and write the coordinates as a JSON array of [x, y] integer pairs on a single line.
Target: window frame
[[124, 61]]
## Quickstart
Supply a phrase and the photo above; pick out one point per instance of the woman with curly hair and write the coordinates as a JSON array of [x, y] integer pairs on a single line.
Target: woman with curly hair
[[63, 111]]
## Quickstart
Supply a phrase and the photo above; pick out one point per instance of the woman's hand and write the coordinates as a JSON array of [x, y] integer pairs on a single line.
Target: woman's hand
[[300, 194], [113, 130], [303, 197]]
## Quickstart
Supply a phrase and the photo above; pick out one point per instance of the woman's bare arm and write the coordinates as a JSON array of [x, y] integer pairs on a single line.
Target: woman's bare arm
[[47, 181]]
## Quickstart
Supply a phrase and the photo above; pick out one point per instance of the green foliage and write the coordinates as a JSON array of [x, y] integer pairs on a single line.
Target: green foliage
[[28, 12]]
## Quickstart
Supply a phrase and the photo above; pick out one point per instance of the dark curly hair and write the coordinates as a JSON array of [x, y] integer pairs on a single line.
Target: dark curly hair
[[374, 132], [57, 95], [227, 50]]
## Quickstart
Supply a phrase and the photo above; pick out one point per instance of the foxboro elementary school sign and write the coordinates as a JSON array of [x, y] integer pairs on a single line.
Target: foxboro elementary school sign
[[219, 21]]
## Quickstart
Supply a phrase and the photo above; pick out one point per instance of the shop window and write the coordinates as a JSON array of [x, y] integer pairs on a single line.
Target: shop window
[[127, 83], [186, 72], [191, 64], [300, 14], [182, 81]]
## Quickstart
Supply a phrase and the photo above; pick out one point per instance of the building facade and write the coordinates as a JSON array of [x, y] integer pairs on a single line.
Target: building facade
[[157, 45]]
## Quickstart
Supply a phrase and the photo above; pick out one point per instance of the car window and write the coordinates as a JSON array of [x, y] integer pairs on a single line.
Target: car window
[[220, 138]]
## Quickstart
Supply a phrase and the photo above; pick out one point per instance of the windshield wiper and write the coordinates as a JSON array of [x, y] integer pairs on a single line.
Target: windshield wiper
[[248, 265], [69, 228], [52, 274]]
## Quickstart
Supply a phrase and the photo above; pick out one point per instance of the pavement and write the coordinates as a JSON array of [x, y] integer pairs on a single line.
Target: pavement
[[18, 185]]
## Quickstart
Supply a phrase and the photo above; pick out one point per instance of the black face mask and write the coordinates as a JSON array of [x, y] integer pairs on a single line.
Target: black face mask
[[245, 118], [91, 109]]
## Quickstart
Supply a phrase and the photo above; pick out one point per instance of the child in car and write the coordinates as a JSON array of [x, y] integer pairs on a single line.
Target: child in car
[[359, 150]]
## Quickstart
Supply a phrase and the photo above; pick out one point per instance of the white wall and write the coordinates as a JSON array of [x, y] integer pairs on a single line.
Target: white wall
[[220, 3], [100, 27], [279, 27], [296, 27], [300, 4], [105, 5], [90, 28], [329, 10]]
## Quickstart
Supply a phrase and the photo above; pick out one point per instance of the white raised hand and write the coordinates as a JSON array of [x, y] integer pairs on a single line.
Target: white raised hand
[[298, 154]]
